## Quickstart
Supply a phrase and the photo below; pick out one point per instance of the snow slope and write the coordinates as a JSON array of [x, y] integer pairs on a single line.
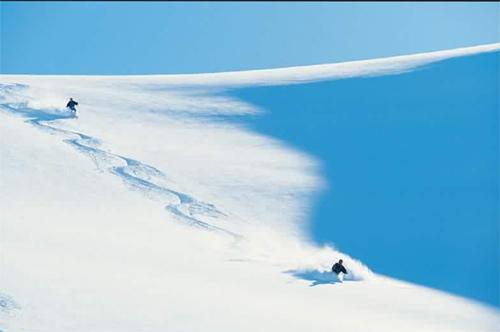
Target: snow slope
[[152, 212]]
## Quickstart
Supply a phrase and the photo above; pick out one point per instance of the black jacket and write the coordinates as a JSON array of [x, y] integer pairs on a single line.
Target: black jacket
[[337, 268], [71, 104]]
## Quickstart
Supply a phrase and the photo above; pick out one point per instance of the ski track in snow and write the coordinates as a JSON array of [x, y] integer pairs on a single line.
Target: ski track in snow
[[135, 174], [7, 304]]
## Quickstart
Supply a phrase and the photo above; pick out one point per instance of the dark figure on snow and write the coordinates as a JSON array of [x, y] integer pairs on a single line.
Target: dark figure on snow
[[338, 267], [71, 104]]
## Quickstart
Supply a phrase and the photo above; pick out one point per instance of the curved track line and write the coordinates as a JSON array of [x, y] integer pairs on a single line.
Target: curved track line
[[135, 174]]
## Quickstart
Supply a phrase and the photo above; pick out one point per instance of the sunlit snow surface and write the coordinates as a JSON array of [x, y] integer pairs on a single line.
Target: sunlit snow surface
[[155, 211]]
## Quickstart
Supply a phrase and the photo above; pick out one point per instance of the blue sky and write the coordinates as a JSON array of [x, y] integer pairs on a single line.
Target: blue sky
[[152, 38]]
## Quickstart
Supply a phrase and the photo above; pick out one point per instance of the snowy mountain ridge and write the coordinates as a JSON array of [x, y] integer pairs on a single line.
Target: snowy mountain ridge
[[95, 210]]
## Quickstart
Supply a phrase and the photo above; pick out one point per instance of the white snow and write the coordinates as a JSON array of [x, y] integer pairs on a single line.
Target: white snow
[[144, 214]]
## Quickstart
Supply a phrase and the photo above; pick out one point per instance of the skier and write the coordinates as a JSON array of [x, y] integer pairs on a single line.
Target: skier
[[71, 105], [338, 267]]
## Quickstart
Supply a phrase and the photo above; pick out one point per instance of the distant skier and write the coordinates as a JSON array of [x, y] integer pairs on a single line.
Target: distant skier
[[71, 105], [337, 268]]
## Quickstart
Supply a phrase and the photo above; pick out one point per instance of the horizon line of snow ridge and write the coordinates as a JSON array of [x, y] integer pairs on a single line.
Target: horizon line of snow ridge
[[286, 75]]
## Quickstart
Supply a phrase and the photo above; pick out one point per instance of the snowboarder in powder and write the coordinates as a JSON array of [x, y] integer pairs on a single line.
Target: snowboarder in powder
[[338, 267], [71, 105]]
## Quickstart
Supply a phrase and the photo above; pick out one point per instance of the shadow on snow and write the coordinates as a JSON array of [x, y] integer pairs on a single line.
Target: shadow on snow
[[316, 277]]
